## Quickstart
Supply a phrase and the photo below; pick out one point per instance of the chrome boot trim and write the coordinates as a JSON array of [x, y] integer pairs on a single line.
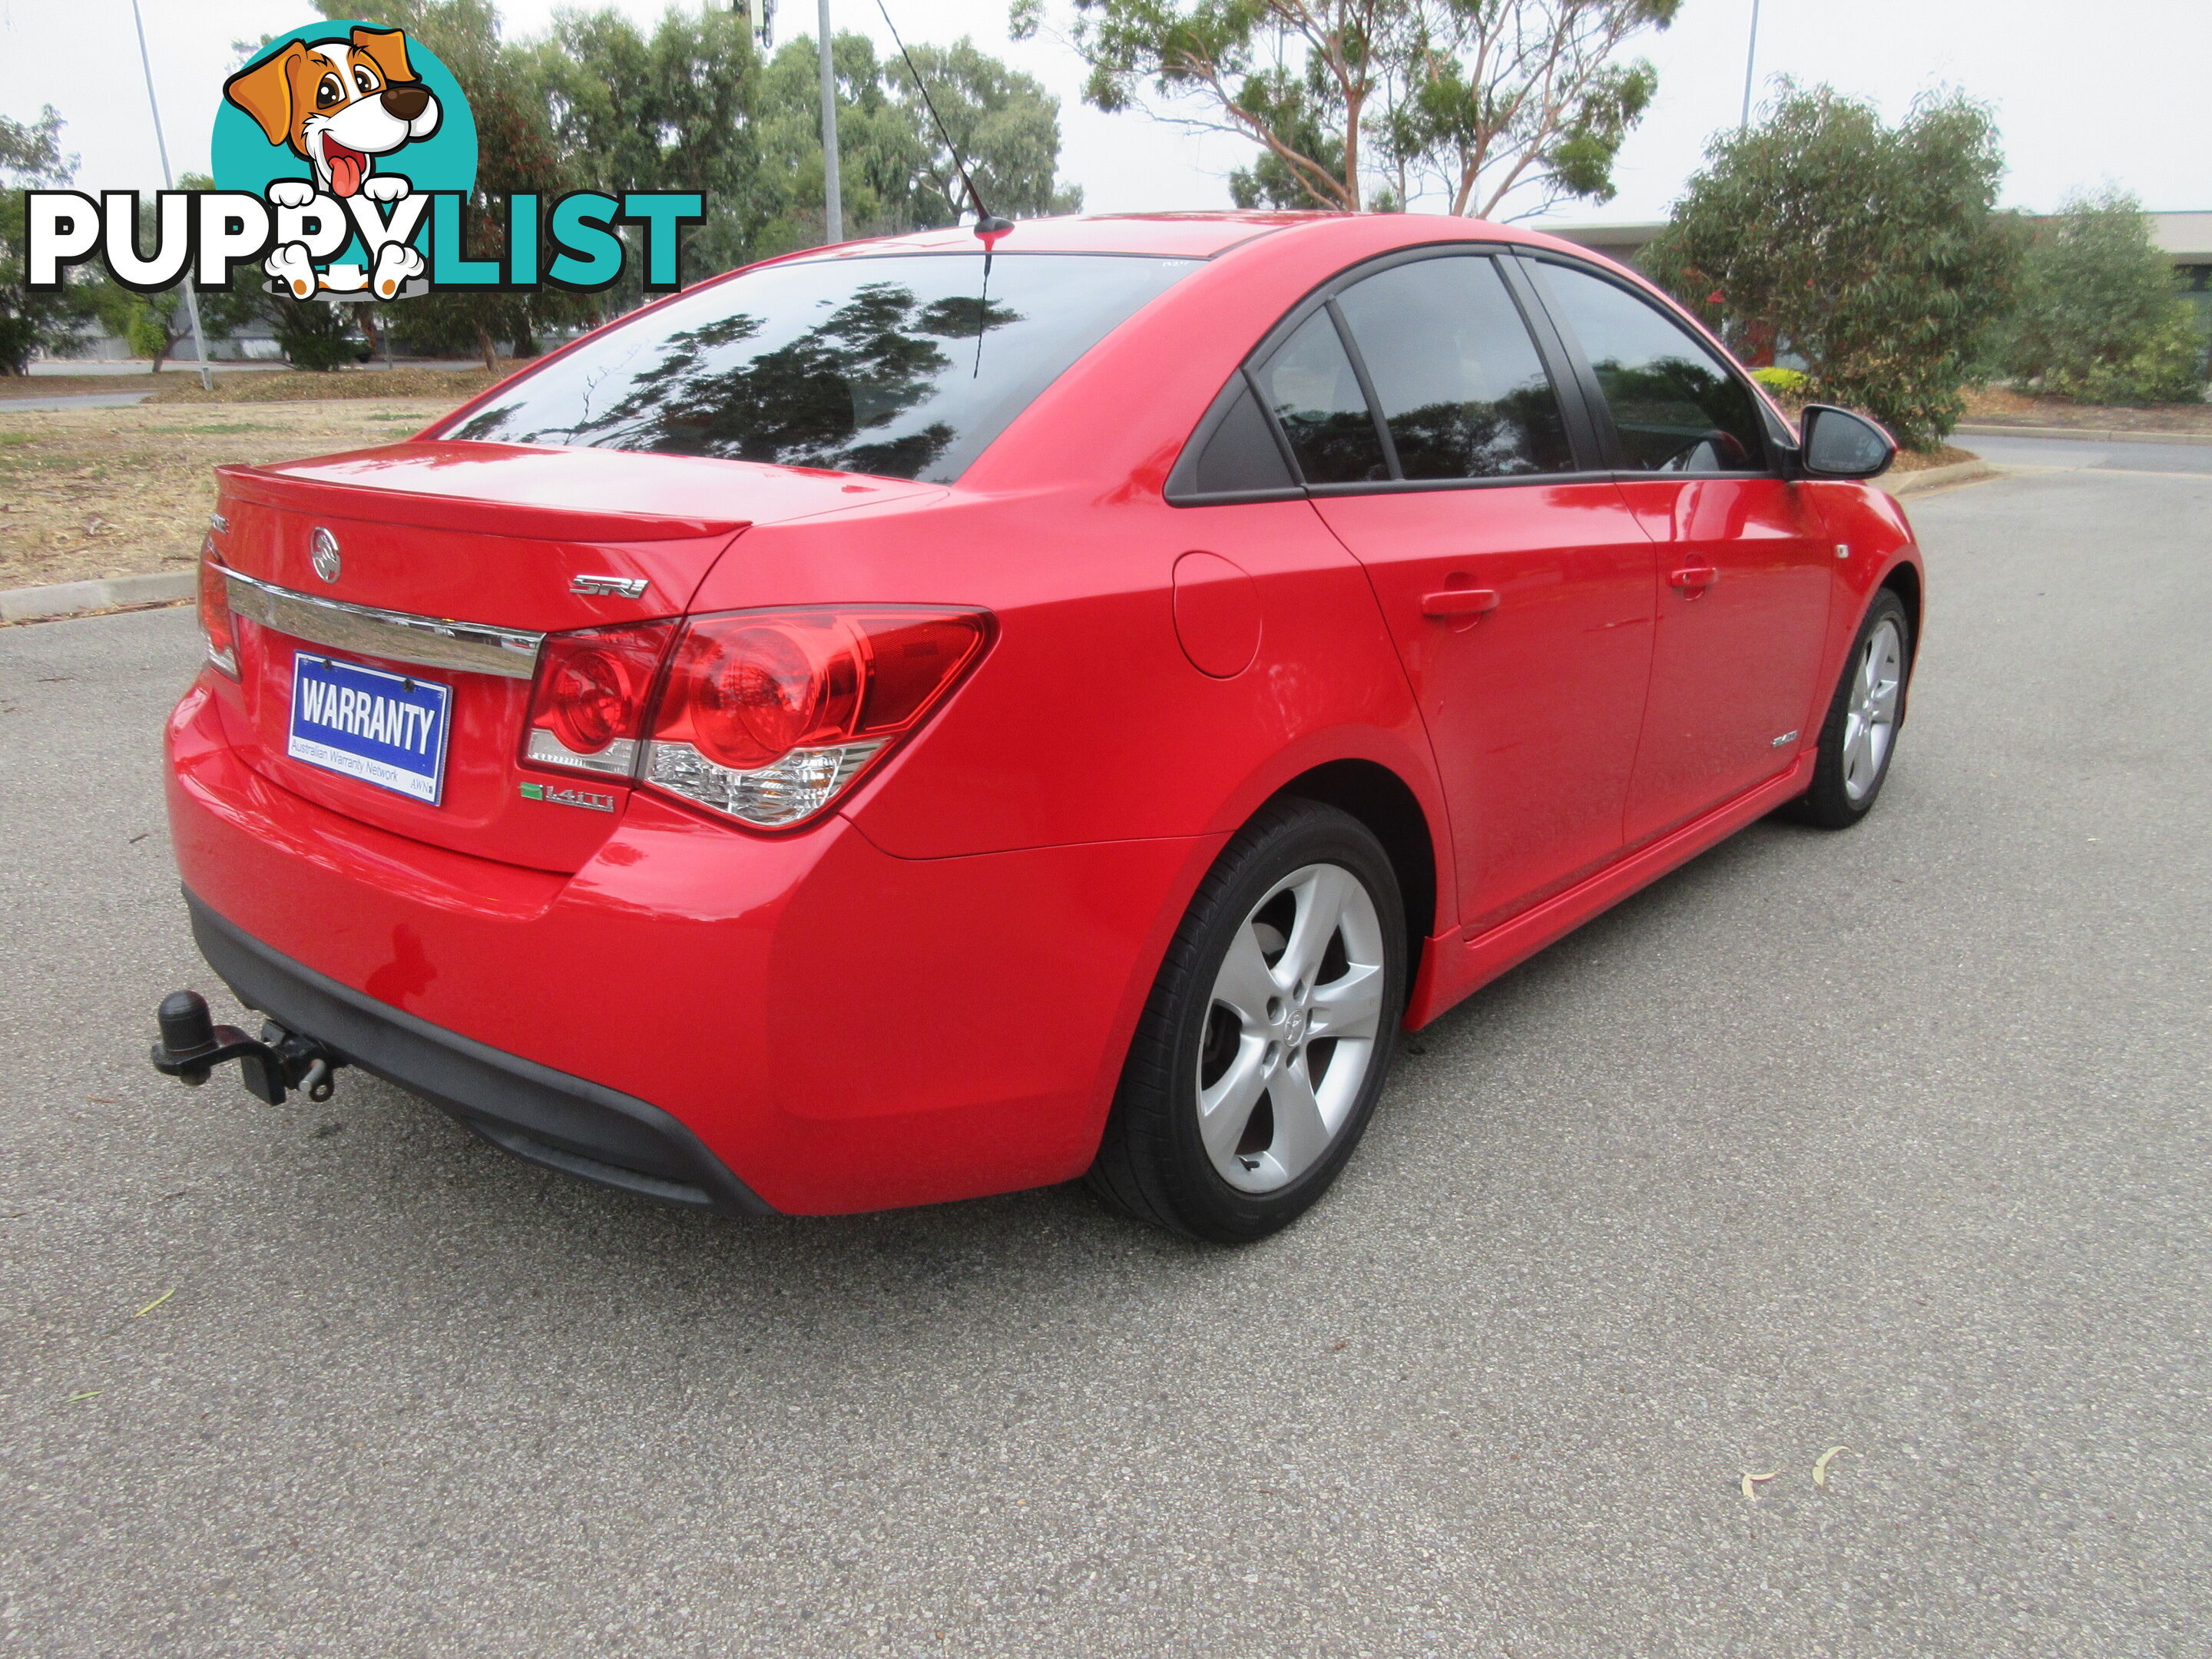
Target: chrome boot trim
[[426, 641]]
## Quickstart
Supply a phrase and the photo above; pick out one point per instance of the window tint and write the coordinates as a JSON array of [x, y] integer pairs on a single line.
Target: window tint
[[1242, 455], [1461, 387], [901, 366], [1310, 387], [1676, 409]]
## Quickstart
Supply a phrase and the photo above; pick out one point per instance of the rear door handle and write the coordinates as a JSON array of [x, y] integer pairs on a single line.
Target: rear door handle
[[1695, 578], [1459, 601]]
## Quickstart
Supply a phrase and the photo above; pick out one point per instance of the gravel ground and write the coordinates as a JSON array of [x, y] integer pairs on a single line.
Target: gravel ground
[[1893, 1139]]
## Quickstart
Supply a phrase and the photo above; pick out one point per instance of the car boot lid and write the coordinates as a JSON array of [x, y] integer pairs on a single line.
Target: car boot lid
[[554, 493]]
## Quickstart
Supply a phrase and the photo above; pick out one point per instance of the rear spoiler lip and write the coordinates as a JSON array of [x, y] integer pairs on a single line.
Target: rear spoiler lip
[[476, 514]]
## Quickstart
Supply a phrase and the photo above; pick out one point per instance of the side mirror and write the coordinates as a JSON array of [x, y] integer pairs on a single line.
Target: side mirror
[[1838, 444]]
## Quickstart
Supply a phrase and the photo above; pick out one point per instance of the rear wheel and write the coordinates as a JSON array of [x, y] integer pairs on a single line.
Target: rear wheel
[[1860, 734], [1268, 1033]]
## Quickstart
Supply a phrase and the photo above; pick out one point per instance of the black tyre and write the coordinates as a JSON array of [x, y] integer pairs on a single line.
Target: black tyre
[[1859, 737], [1268, 1033]]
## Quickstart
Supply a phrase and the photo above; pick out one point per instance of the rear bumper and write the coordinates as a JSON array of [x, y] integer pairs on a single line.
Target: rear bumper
[[803, 1019], [530, 1110]]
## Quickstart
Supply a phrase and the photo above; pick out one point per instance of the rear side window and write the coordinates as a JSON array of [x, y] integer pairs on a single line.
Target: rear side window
[[1310, 387], [1462, 390], [904, 366], [1676, 408]]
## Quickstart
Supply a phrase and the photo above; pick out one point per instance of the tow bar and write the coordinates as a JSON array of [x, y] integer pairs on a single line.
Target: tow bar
[[192, 1045]]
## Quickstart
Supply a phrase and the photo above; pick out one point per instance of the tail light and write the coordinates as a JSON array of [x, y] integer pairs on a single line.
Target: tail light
[[763, 716], [768, 716], [216, 624], [587, 709]]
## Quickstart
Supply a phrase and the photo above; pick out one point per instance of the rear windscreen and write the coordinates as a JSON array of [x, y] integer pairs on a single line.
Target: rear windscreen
[[905, 366]]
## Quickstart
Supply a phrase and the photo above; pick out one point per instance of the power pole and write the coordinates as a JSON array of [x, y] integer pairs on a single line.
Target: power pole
[[833, 204], [1750, 57], [192, 299]]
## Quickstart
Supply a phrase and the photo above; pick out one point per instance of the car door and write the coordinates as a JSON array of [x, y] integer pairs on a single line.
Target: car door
[[1434, 441], [1744, 570]]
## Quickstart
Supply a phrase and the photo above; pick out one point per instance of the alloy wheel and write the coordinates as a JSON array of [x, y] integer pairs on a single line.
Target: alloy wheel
[[1291, 1027], [1870, 716]]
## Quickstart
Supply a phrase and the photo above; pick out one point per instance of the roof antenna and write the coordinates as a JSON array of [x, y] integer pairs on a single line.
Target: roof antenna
[[987, 226]]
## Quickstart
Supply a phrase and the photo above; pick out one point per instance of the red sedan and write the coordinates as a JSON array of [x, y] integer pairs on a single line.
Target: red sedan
[[917, 719]]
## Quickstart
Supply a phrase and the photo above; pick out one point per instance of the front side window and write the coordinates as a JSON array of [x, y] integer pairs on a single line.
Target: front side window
[[905, 366], [1310, 387], [1462, 390], [1676, 408]]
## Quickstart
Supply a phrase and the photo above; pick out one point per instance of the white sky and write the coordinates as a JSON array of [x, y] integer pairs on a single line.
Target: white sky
[[2083, 96]]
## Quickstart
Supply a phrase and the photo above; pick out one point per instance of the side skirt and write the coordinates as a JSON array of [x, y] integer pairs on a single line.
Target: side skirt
[[1454, 967]]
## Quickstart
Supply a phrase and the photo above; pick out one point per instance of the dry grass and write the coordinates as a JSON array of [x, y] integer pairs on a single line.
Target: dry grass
[[74, 385], [117, 492], [453, 386], [1995, 406]]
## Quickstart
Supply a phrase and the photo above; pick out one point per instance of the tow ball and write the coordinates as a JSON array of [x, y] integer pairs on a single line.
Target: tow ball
[[192, 1045]]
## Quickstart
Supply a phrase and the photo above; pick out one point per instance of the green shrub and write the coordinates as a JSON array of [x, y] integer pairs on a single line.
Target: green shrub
[[1872, 251], [1784, 382], [319, 353], [2097, 317]]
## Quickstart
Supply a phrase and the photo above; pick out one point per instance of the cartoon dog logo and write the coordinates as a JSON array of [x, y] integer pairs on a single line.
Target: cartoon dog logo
[[339, 105]]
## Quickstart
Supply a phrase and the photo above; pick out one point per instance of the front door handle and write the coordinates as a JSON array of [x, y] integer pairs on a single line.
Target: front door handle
[[1459, 601], [1695, 579]]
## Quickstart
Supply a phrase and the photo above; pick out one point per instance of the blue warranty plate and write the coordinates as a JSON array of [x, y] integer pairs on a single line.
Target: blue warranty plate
[[385, 729]]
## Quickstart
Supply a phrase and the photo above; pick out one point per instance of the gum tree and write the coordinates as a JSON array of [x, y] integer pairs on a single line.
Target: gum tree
[[1483, 101]]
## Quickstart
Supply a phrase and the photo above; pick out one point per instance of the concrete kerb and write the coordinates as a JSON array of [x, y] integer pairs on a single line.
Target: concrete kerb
[[20, 605], [1938, 478], [2084, 434]]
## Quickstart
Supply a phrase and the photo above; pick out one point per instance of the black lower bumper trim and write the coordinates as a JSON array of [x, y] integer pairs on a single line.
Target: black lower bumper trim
[[530, 1110]]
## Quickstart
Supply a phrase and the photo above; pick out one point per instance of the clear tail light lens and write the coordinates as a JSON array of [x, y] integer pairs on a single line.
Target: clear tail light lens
[[587, 708], [217, 625], [768, 716]]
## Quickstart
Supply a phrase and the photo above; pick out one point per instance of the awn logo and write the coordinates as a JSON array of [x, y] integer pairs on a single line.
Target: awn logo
[[345, 159]]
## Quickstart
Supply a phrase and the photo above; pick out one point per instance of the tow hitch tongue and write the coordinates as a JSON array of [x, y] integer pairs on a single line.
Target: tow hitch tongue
[[192, 1045]]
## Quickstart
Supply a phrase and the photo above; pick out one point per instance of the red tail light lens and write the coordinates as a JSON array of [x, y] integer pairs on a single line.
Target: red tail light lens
[[769, 716], [587, 708], [215, 623]]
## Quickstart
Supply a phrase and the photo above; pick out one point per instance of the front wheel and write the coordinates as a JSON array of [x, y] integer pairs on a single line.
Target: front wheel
[[1859, 736], [1268, 1033]]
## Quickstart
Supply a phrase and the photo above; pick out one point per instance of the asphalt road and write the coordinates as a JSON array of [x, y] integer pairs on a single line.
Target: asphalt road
[[1895, 1139], [2074, 454]]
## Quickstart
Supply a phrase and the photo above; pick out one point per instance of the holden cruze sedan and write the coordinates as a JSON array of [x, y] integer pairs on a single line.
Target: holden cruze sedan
[[921, 718]]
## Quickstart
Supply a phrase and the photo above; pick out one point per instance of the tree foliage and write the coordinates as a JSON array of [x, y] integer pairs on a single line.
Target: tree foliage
[[1873, 252], [517, 149], [155, 324], [2098, 317], [1480, 101], [895, 172], [31, 158], [1527, 99], [598, 103]]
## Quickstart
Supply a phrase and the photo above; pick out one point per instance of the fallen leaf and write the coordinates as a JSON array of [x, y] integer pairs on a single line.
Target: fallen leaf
[[1751, 1481], [1820, 1465], [1339, 1347], [159, 1300]]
